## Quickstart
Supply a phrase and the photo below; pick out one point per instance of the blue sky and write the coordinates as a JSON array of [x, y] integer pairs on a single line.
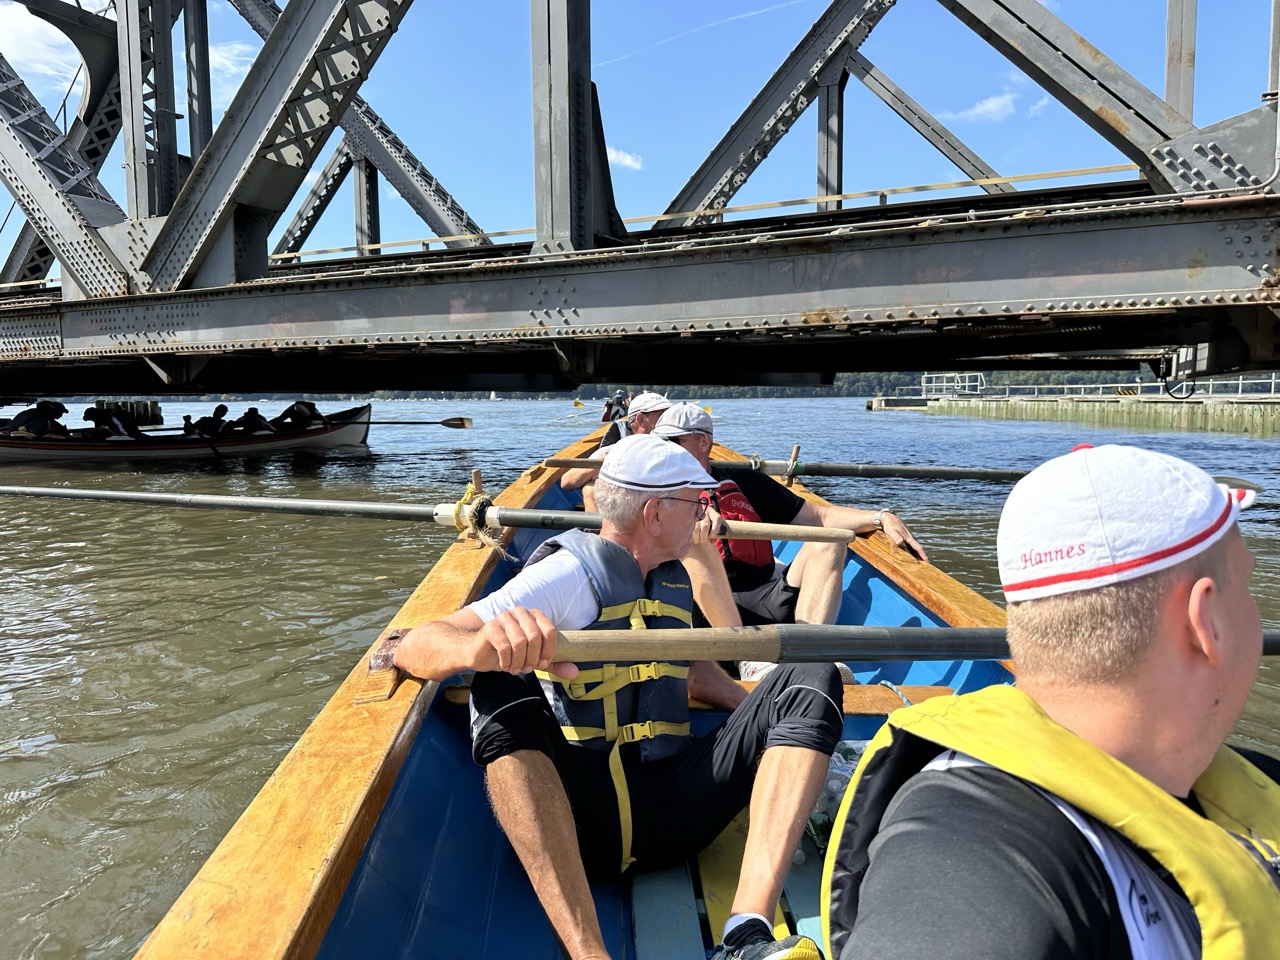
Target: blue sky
[[454, 83]]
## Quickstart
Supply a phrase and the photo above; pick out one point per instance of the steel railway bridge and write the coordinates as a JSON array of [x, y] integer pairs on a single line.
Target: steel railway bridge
[[178, 289]]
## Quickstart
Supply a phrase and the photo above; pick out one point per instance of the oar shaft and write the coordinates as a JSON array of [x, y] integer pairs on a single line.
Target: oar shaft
[[779, 468], [799, 642], [494, 517]]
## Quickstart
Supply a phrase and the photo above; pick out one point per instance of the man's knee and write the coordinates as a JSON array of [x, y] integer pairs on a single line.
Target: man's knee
[[808, 705], [509, 715]]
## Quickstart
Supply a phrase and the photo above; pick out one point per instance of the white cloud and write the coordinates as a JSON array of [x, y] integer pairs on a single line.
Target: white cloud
[[991, 109], [228, 64], [1038, 106], [621, 158], [43, 57]]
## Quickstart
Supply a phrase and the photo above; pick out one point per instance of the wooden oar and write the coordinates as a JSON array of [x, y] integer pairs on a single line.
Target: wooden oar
[[492, 518], [780, 468], [772, 643], [784, 642]]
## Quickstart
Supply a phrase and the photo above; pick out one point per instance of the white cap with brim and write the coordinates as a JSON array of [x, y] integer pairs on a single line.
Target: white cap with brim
[[644, 462], [683, 418], [1104, 515], [647, 403]]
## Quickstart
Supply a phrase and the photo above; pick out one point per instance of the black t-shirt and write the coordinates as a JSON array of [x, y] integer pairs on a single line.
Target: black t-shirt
[[977, 857], [773, 502]]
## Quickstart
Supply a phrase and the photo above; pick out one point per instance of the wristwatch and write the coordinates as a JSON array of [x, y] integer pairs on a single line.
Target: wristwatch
[[879, 517]]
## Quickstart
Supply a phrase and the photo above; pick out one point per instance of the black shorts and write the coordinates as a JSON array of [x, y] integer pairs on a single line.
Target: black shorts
[[774, 601], [678, 804]]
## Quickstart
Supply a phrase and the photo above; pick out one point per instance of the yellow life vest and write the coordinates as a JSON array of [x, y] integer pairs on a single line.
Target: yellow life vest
[[1219, 860]]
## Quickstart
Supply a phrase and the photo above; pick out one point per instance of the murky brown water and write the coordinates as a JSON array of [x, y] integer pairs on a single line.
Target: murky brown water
[[155, 665]]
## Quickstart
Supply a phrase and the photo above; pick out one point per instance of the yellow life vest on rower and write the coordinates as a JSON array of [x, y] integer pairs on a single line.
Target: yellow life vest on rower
[[1220, 860], [610, 704]]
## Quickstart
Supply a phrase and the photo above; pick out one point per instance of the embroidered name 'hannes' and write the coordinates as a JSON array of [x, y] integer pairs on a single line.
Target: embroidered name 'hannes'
[[1035, 558]]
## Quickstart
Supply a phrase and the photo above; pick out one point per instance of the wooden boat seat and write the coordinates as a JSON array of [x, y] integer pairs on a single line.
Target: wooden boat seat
[[859, 700]]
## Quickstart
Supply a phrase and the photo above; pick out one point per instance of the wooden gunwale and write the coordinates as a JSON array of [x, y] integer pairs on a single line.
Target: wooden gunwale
[[271, 887]]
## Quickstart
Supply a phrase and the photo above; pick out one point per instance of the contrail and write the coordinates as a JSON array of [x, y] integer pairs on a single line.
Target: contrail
[[705, 26]]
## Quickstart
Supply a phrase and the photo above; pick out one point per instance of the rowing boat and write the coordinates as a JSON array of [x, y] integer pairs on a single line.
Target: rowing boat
[[374, 836], [347, 428]]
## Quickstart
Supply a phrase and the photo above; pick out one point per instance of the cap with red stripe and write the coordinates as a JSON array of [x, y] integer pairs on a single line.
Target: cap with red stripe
[[1103, 515]]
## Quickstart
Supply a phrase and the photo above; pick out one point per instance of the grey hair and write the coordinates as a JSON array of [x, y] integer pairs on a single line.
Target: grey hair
[[621, 506], [1104, 634]]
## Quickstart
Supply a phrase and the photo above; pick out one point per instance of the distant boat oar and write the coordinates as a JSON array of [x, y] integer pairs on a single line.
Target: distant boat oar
[[782, 468], [456, 423], [491, 517]]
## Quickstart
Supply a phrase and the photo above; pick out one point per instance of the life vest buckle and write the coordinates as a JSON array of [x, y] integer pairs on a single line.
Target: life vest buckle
[[635, 732], [640, 672]]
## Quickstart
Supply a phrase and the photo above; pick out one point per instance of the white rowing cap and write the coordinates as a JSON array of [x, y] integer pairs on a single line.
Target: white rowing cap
[[1103, 515]]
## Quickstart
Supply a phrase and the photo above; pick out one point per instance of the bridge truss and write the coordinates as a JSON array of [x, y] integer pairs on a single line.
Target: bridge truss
[[174, 290]]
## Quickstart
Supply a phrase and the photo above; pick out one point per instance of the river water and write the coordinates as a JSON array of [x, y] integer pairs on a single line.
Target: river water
[[156, 664]]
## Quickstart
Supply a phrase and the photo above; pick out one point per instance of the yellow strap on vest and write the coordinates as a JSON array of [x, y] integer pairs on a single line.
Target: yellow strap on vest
[[633, 733], [644, 607], [611, 679]]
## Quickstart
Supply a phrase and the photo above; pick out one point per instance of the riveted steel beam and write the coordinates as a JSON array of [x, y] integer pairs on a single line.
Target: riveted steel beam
[[145, 33], [1180, 56], [57, 192], [300, 85], [368, 218], [317, 200], [95, 127], [1137, 273], [840, 30], [562, 125], [1169, 150], [371, 135]]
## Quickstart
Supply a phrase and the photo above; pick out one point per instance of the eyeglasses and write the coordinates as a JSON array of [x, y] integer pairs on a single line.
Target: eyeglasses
[[700, 506]]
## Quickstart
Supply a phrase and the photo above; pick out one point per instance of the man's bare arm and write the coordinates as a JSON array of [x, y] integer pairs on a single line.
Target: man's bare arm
[[515, 641]]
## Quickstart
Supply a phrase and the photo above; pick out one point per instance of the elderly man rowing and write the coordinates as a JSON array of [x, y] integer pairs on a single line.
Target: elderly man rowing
[[555, 740]]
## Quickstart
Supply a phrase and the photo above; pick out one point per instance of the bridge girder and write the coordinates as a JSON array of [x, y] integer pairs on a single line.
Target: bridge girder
[[1144, 272]]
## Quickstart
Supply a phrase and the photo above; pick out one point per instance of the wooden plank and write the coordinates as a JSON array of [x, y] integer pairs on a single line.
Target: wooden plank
[[718, 868], [271, 887], [665, 915]]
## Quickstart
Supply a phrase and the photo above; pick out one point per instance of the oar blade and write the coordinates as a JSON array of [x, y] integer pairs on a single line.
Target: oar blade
[[456, 423]]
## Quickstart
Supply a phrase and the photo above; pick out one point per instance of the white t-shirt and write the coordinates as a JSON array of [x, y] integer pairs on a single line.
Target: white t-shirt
[[557, 585]]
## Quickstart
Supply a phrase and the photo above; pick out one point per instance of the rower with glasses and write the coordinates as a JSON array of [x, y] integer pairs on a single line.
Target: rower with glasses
[[554, 738]]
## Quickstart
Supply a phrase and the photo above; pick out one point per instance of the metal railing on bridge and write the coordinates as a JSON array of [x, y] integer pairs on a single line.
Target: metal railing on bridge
[[975, 386]]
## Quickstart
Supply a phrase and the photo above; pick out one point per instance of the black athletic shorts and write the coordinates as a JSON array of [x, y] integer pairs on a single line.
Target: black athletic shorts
[[678, 804]]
